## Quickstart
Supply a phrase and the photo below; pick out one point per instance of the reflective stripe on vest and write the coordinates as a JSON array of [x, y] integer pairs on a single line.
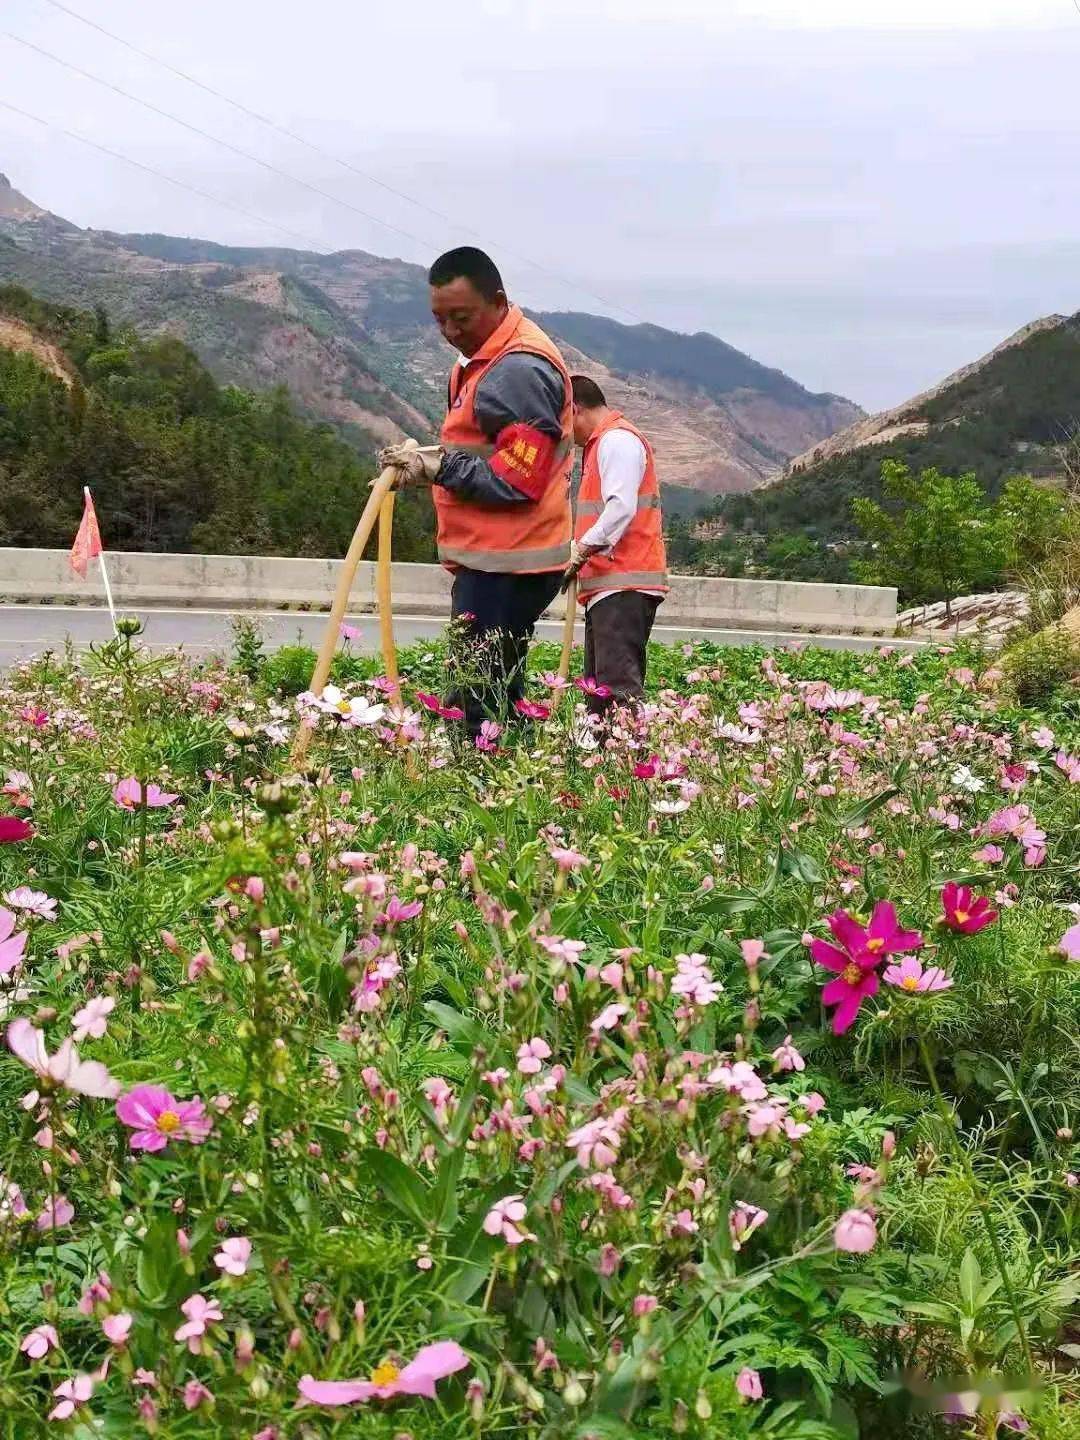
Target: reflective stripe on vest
[[509, 561], [515, 539], [624, 580], [596, 507]]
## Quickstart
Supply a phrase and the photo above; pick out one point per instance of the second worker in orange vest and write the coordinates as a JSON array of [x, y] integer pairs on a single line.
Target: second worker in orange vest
[[618, 553], [500, 478]]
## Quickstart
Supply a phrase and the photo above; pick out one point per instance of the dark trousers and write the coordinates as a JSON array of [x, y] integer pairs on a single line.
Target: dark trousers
[[617, 631], [496, 616]]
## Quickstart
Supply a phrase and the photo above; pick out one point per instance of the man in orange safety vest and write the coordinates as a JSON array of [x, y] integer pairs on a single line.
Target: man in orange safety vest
[[618, 552], [500, 477]]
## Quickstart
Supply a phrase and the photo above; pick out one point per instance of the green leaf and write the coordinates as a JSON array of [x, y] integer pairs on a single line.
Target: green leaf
[[859, 814], [445, 1193], [401, 1186], [970, 1280], [803, 867], [461, 1028]]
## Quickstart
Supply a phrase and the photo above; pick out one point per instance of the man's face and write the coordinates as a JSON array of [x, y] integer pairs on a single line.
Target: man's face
[[583, 424], [465, 318]]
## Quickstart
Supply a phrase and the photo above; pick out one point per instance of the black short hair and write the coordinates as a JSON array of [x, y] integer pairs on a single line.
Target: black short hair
[[587, 393], [468, 263]]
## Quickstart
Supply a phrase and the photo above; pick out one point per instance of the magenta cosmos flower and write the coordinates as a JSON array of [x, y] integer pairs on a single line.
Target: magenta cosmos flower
[[430, 1364], [12, 829], [964, 911], [128, 795], [855, 1232], [855, 959], [909, 975], [157, 1117]]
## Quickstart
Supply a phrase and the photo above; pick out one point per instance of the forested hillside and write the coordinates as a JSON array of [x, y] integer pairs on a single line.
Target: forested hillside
[[175, 460]]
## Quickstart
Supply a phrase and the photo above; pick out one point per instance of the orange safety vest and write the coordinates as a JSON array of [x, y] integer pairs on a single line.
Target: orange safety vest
[[520, 539], [638, 560]]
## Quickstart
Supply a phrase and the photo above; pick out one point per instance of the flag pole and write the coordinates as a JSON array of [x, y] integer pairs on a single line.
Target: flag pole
[[104, 573]]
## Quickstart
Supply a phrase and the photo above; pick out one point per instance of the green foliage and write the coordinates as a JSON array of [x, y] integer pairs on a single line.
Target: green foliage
[[354, 1023], [175, 461], [1038, 665], [935, 539]]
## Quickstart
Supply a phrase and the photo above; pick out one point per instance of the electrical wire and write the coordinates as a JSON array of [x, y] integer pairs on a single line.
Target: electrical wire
[[162, 175], [333, 158], [216, 140]]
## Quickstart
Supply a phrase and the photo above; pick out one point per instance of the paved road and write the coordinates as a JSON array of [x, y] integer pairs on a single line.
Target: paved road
[[27, 630]]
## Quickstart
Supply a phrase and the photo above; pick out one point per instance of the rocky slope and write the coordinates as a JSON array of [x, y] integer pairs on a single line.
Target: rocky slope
[[351, 336]]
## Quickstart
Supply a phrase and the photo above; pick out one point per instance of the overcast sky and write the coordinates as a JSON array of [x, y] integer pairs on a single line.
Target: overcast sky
[[867, 193]]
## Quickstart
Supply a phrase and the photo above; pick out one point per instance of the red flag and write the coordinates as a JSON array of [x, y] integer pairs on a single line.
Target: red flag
[[88, 540]]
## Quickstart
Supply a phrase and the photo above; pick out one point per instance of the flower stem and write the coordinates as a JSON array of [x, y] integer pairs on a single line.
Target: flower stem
[[981, 1202]]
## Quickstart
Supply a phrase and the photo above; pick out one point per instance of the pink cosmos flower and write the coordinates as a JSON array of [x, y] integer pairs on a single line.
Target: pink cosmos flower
[[963, 911], [608, 1018], [91, 1021], [855, 1232], [590, 686], [644, 1305], [128, 795], [532, 1054], [58, 1211], [117, 1328], [34, 902], [37, 1344], [786, 1057], [234, 1255], [11, 945], [568, 859], [64, 1070], [429, 1365], [909, 975], [196, 1394], [398, 910], [743, 1220], [855, 963], [156, 1118], [75, 1392], [12, 830], [752, 951], [813, 1103], [201, 1313], [694, 980], [990, 855], [748, 1384], [505, 1218], [1069, 944], [349, 632]]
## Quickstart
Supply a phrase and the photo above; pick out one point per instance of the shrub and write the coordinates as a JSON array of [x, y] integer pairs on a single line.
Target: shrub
[[1040, 664]]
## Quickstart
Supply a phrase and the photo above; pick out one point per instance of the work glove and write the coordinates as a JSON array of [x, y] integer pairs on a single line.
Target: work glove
[[578, 556], [416, 464]]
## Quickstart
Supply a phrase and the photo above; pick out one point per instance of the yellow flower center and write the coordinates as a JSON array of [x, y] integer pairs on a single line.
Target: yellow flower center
[[385, 1374], [961, 917], [852, 974], [875, 944], [342, 707], [909, 982], [168, 1121]]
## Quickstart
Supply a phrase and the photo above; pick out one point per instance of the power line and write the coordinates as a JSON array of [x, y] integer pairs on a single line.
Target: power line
[[161, 175], [329, 155], [214, 139]]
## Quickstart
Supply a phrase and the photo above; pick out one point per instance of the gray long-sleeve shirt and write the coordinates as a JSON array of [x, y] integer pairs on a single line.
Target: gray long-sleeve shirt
[[521, 388]]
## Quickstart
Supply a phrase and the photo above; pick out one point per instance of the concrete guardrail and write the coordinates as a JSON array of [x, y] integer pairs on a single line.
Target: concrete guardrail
[[255, 582]]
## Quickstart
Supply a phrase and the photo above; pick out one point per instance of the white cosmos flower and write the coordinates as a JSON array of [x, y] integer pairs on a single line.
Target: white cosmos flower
[[670, 807], [964, 779], [84, 1077]]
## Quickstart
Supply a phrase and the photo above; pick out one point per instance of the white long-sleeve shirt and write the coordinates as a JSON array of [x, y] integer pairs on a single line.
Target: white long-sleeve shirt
[[622, 459]]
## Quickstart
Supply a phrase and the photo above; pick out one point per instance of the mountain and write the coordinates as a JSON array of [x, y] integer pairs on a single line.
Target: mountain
[[947, 402], [1009, 412], [352, 337]]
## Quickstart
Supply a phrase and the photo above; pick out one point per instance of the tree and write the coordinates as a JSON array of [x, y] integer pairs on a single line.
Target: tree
[[1032, 520], [936, 540]]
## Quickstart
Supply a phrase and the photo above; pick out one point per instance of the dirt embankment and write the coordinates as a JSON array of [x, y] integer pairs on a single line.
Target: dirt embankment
[[14, 335]]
